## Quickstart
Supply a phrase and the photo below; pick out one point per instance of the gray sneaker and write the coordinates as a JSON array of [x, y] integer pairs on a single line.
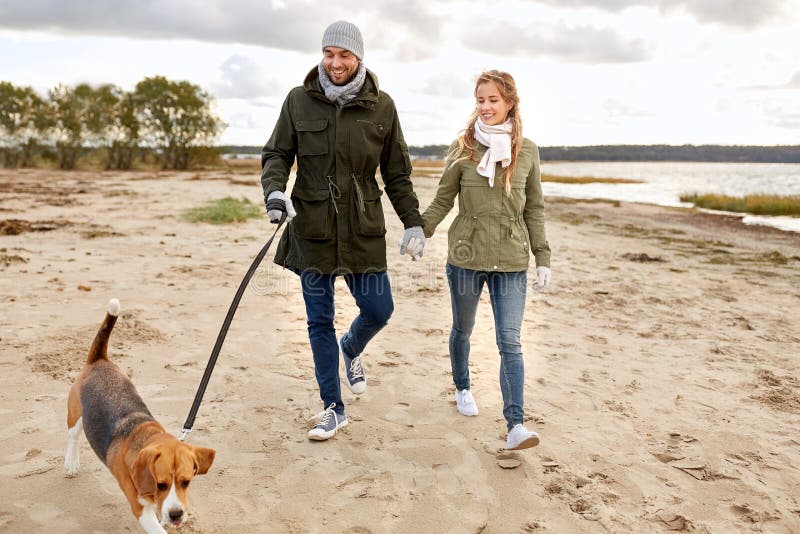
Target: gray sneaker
[[353, 372], [328, 424]]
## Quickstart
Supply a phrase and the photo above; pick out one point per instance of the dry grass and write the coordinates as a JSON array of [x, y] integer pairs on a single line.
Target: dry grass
[[242, 163], [428, 163], [755, 204]]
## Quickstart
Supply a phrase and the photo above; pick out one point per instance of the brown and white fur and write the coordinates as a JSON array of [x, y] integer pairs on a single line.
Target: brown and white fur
[[151, 466]]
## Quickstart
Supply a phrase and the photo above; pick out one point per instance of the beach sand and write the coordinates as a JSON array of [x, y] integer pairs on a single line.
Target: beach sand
[[661, 371]]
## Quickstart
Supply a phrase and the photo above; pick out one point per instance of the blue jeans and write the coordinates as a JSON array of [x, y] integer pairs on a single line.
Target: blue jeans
[[507, 293], [373, 296]]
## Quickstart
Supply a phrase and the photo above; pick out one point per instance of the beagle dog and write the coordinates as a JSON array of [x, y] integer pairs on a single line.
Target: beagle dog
[[152, 467]]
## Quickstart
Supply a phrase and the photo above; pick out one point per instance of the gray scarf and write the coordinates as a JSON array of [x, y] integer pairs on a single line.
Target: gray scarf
[[342, 94]]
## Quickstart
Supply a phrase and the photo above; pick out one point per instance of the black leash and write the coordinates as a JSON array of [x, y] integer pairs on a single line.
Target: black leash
[[198, 398]]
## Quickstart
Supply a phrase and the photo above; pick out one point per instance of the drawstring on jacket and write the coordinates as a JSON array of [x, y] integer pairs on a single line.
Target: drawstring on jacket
[[335, 192]]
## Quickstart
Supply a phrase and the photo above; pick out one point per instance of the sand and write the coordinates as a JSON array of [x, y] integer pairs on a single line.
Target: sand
[[661, 371]]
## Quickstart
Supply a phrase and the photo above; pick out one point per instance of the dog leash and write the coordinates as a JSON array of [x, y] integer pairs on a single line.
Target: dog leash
[[198, 398]]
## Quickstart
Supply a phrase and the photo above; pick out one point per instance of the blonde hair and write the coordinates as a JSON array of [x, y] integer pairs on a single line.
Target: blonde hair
[[466, 140]]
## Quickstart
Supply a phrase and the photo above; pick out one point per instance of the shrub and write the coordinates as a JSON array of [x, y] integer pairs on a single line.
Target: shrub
[[223, 211]]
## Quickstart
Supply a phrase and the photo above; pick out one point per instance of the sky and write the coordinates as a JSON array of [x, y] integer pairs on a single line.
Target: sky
[[588, 72]]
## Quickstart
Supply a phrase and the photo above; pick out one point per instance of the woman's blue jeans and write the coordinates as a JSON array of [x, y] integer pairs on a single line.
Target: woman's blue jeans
[[507, 292], [373, 296]]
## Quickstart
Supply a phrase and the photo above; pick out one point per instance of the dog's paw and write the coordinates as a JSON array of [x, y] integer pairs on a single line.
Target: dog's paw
[[71, 467]]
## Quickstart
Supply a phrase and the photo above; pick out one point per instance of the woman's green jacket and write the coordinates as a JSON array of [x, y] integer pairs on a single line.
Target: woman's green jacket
[[492, 231]]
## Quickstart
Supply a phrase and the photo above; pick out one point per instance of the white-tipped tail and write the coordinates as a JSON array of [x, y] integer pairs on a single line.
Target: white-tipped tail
[[113, 307]]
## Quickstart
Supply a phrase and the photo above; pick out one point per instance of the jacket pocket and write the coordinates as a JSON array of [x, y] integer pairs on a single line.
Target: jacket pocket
[[463, 247], [518, 242], [372, 133], [315, 217], [369, 212], [312, 137]]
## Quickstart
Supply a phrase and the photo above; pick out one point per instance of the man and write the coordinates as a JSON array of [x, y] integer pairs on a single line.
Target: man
[[340, 127]]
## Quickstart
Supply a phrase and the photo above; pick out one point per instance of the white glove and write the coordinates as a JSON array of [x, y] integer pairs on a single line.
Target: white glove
[[275, 214], [542, 279], [413, 242]]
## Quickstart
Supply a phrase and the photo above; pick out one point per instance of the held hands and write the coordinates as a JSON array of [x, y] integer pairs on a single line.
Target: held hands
[[277, 204], [542, 279], [413, 242]]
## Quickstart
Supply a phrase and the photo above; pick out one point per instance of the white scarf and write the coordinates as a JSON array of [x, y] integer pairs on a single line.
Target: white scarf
[[498, 139]]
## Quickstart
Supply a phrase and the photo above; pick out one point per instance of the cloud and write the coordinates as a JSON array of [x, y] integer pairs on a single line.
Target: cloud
[[579, 44], [606, 5], [244, 21], [245, 120], [242, 77], [793, 83], [783, 114], [448, 85], [734, 13], [408, 28], [615, 108], [295, 26]]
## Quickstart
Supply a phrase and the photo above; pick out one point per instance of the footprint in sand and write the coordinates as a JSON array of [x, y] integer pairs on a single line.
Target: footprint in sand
[[399, 414], [673, 521], [6, 519], [585, 509], [446, 480], [46, 514], [746, 513]]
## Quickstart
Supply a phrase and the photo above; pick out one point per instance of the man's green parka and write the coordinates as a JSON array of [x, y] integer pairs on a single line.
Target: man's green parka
[[339, 227]]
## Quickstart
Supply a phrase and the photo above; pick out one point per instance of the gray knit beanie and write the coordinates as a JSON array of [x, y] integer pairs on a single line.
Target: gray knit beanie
[[343, 34]]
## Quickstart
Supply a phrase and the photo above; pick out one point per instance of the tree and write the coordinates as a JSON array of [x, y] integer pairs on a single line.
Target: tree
[[100, 115], [24, 119], [113, 123], [175, 116], [85, 117], [70, 105]]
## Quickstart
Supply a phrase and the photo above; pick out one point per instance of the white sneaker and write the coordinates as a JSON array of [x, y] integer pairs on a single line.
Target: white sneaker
[[466, 403], [520, 437]]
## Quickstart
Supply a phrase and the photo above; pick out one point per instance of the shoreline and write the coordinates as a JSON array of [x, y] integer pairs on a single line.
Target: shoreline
[[731, 219]]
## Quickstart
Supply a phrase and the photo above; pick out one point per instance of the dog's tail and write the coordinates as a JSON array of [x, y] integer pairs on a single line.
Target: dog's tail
[[99, 350]]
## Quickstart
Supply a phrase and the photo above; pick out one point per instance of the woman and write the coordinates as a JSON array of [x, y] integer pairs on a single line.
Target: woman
[[495, 173]]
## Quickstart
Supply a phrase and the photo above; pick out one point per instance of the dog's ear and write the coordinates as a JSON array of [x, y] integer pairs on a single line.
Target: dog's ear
[[203, 458], [144, 472]]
